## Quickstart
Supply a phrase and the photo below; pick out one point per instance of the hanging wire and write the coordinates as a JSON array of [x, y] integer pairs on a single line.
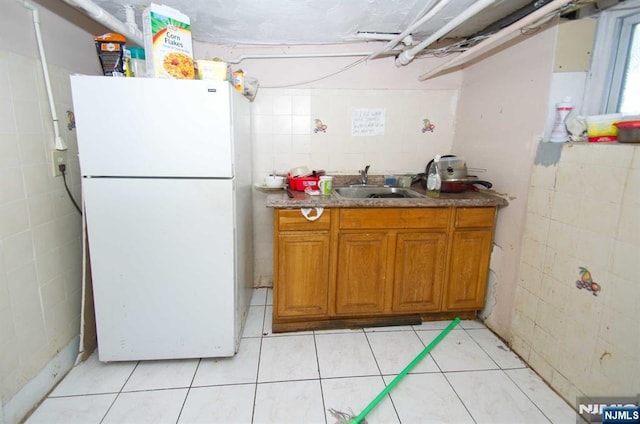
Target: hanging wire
[[64, 179], [343, 69], [537, 26], [456, 47]]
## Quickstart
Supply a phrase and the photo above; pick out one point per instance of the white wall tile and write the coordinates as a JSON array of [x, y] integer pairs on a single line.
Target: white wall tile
[[262, 124], [40, 271], [581, 342], [7, 117], [618, 364], [622, 296], [530, 278], [282, 125], [631, 191], [28, 117], [603, 183], [300, 124], [635, 163], [7, 330], [23, 78], [540, 201], [560, 236], [282, 105], [626, 257], [17, 251], [301, 105], [13, 218], [36, 178], [32, 148], [9, 152], [262, 105], [544, 177], [523, 327], [537, 228], [526, 303], [11, 184], [566, 207]]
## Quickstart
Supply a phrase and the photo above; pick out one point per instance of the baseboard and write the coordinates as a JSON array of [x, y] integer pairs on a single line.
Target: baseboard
[[16, 408]]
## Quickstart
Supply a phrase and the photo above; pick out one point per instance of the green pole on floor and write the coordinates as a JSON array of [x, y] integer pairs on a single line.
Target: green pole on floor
[[404, 372]]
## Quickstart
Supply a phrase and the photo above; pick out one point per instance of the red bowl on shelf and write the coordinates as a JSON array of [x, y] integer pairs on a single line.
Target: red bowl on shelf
[[628, 131]]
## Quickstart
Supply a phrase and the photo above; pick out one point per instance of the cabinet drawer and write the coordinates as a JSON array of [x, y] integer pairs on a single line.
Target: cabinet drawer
[[475, 217], [293, 220], [394, 218]]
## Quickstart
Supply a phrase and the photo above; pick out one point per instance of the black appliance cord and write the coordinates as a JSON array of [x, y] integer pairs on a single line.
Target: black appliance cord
[[62, 168]]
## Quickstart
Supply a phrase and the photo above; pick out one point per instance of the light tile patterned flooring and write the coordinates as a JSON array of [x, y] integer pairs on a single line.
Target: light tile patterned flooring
[[469, 377]]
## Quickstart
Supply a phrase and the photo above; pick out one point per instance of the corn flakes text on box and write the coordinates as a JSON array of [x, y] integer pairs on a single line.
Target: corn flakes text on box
[[167, 43]]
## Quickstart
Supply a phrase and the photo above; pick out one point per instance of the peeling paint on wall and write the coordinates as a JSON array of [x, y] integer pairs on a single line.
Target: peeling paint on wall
[[548, 154], [492, 282], [490, 302]]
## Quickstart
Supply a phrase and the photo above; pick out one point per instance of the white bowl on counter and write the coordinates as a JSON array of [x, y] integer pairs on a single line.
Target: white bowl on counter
[[274, 181]]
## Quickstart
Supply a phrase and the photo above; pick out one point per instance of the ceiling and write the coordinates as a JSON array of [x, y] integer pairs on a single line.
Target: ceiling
[[299, 22]]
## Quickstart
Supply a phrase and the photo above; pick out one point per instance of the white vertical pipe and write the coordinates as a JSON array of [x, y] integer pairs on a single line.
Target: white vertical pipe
[[391, 44], [59, 143], [407, 56], [496, 39]]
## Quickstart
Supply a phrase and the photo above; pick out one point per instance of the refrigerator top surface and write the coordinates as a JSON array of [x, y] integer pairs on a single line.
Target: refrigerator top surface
[[147, 127]]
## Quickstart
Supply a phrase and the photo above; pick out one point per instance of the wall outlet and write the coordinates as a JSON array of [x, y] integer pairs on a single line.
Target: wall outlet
[[58, 157]]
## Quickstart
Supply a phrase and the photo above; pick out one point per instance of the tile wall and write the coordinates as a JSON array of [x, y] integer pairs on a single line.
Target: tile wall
[[40, 231], [582, 212], [286, 134]]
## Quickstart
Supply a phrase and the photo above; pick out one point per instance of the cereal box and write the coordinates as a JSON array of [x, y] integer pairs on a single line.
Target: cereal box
[[212, 69], [167, 43]]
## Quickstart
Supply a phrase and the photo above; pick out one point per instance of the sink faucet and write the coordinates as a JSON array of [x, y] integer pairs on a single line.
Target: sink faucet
[[364, 175]]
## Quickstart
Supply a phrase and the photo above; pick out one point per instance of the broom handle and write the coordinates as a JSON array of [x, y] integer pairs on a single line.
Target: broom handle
[[404, 372]]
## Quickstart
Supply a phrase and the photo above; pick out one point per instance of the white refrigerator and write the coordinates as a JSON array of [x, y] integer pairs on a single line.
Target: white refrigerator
[[166, 183]]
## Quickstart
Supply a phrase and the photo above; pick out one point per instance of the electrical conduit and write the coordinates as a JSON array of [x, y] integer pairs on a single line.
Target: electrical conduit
[[429, 15], [497, 38], [59, 143], [407, 56], [95, 12]]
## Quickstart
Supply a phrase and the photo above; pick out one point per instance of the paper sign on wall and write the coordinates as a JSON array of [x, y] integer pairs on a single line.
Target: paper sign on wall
[[367, 122]]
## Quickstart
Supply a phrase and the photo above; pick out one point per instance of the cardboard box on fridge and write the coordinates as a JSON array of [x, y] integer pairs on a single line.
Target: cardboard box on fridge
[[212, 70], [167, 43]]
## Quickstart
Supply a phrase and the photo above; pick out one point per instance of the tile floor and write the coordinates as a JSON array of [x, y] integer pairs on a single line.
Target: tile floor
[[469, 377]]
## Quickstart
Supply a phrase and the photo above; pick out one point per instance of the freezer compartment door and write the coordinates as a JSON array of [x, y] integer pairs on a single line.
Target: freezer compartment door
[[162, 260], [153, 127]]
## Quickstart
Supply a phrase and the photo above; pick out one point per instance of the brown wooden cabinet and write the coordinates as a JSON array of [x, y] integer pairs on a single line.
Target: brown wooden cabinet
[[303, 275], [357, 264], [302, 261], [419, 271], [361, 280], [469, 259]]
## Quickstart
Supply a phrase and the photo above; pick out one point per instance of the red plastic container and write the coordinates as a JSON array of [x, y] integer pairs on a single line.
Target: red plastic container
[[301, 183], [628, 131]]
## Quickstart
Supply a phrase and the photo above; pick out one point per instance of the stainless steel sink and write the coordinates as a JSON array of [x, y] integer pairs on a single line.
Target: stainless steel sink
[[368, 192]]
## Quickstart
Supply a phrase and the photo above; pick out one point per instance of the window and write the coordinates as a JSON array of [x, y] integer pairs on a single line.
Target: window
[[614, 78], [625, 78]]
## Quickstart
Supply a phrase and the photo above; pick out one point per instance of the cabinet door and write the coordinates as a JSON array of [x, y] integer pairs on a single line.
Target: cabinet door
[[362, 273], [468, 269], [419, 271], [301, 280]]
